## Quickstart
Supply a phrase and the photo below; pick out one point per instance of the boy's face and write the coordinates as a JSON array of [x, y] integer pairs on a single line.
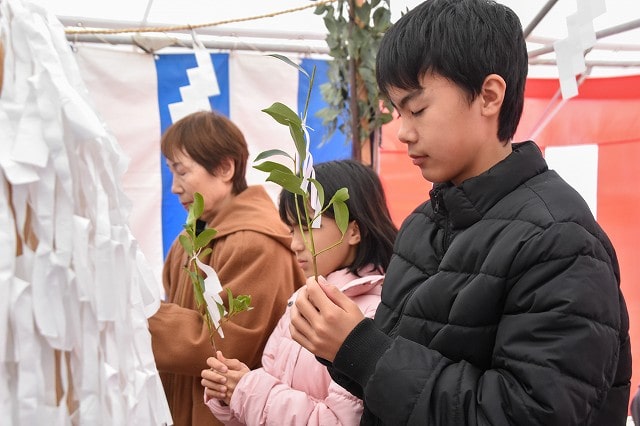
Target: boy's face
[[447, 137]]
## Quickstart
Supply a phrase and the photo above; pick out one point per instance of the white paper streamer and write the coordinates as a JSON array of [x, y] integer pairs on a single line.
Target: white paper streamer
[[308, 172], [203, 83], [74, 339], [7, 266], [580, 37], [212, 289]]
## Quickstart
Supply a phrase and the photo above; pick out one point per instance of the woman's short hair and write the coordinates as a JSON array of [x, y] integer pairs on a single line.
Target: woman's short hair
[[209, 138]]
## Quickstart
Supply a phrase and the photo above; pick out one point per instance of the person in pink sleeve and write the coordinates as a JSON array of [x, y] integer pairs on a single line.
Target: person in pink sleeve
[[292, 387]]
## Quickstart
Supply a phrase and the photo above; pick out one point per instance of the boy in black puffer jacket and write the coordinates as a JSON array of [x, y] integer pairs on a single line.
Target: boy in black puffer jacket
[[502, 304]]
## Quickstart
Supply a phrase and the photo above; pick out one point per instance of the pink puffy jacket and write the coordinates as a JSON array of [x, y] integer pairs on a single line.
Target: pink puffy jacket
[[292, 387]]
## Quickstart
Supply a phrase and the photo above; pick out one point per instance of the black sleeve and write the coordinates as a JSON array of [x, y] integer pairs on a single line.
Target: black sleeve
[[357, 357]]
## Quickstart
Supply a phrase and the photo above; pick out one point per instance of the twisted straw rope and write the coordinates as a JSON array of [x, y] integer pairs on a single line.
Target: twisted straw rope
[[74, 30]]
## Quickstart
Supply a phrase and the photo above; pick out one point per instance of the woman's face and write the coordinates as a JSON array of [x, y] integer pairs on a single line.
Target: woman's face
[[190, 177]]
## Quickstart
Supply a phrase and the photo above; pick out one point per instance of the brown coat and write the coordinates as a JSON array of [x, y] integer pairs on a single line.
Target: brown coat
[[251, 255]]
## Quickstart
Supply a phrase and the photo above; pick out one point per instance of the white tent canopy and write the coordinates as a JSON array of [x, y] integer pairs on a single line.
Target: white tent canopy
[[128, 97], [291, 25]]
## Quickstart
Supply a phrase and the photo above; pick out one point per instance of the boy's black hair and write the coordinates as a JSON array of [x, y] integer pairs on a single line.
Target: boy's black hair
[[463, 41], [367, 206]]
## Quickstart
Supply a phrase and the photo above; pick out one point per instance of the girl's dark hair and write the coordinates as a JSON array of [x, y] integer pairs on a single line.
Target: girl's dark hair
[[367, 206], [209, 138]]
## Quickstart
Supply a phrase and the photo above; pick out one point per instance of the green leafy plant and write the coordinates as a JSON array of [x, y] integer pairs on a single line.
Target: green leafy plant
[[207, 289], [355, 28], [300, 178]]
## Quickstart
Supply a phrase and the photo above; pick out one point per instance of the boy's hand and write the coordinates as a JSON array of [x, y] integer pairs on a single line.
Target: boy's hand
[[322, 318], [221, 379]]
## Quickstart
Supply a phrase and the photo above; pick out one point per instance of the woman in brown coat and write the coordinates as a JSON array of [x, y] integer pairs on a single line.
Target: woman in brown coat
[[207, 153]]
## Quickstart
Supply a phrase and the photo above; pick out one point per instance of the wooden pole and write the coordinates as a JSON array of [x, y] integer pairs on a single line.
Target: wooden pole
[[356, 151]]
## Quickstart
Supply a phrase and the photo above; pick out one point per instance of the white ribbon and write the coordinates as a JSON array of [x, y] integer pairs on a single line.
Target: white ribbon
[[212, 289], [308, 172]]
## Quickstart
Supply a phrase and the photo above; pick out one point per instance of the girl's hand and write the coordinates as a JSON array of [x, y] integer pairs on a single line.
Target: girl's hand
[[222, 378]]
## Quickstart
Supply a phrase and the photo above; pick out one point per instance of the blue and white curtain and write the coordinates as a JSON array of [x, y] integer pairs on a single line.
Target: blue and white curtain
[[139, 95]]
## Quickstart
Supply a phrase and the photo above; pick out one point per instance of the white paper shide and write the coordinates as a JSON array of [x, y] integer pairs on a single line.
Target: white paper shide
[[75, 289]]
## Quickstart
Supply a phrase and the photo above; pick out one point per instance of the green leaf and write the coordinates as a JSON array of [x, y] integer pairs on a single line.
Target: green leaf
[[327, 114], [385, 118], [195, 209], [186, 244], [242, 303], [320, 9], [269, 166], [283, 114], [205, 238], [205, 253], [270, 153], [298, 138], [230, 301], [288, 181], [381, 20], [199, 296], [194, 277], [290, 62], [340, 209], [198, 204], [330, 24], [341, 213], [308, 98], [363, 12], [341, 194], [191, 220], [347, 42]]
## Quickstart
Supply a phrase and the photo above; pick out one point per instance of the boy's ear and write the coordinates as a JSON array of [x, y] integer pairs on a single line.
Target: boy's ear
[[492, 94], [352, 235]]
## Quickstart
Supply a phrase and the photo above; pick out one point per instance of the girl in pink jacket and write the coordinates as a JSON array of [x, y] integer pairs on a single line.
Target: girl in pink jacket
[[292, 387]]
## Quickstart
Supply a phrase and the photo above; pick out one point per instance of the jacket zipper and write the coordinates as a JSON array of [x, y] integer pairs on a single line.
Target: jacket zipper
[[439, 208], [437, 204]]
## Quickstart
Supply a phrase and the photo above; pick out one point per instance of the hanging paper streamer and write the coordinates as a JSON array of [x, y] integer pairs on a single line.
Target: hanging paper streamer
[[212, 290], [75, 289], [203, 83], [580, 37]]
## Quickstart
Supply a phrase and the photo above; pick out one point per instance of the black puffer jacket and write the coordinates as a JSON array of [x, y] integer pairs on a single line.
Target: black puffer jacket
[[501, 306]]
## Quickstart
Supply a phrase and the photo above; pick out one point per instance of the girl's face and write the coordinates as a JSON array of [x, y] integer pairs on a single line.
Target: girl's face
[[190, 177], [337, 257]]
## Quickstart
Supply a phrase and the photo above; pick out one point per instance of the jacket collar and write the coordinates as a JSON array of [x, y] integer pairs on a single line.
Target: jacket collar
[[466, 204], [353, 285]]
